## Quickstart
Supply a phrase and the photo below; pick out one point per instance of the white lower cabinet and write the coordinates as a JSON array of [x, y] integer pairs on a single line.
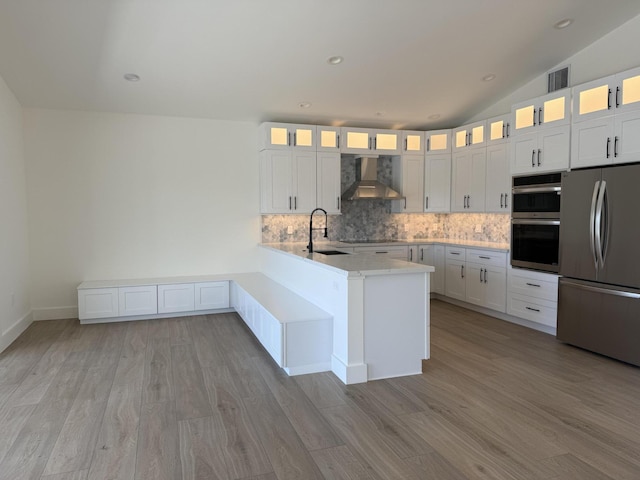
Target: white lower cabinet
[[211, 295], [433, 255], [455, 284], [149, 301], [397, 251], [476, 276], [98, 303], [175, 298], [142, 300], [533, 296]]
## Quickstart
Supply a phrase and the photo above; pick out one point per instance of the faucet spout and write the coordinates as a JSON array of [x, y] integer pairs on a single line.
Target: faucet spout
[[311, 229]]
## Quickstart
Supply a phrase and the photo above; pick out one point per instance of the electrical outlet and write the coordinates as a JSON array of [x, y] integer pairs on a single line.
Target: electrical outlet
[[479, 228], [289, 230]]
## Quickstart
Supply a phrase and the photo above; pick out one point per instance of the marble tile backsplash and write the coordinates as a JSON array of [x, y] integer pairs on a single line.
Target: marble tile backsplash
[[372, 220]]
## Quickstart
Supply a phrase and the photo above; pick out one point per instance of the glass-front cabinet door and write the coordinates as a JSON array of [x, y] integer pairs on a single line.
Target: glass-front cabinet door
[[328, 139], [412, 142], [437, 142], [498, 129], [549, 110], [282, 136]]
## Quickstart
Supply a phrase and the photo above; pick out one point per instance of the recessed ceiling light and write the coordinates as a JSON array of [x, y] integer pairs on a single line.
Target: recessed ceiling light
[[131, 77], [435, 116], [563, 23], [488, 78], [304, 104], [335, 60]]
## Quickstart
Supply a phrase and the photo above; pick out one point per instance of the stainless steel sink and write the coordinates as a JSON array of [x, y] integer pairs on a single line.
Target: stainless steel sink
[[331, 252]]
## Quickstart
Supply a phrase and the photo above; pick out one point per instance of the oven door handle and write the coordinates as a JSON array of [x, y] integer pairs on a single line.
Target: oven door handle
[[523, 221], [538, 189]]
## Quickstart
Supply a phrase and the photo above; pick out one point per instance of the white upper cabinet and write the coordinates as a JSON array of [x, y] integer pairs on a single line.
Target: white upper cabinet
[[437, 183], [606, 121], [328, 181], [499, 129], [283, 136], [412, 142], [498, 179], [328, 139], [550, 110], [408, 173], [472, 135], [370, 141], [287, 181], [437, 142], [468, 180], [613, 94], [546, 150]]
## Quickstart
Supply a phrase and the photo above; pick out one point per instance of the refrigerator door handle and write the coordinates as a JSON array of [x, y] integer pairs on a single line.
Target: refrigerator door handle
[[606, 291], [598, 224], [592, 221]]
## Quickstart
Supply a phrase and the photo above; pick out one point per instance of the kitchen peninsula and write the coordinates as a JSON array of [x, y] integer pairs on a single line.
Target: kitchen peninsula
[[380, 307]]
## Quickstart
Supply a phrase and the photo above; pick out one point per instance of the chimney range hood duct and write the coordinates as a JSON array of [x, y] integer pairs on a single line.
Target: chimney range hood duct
[[367, 186]]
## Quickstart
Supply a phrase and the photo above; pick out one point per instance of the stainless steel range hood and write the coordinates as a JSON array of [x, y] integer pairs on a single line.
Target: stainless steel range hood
[[367, 186]]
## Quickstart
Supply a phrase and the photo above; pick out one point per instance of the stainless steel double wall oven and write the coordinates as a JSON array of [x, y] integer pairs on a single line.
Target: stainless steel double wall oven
[[535, 221]]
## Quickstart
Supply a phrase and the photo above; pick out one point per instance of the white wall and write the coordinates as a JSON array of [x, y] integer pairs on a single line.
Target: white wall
[[132, 196], [613, 53], [15, 310]]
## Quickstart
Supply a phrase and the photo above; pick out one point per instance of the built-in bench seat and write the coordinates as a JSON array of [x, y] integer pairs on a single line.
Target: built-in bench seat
[[295, 332]]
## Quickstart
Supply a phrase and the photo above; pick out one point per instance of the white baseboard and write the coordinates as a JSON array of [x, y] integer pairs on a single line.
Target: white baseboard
[[55, 313], [348, 373], [306, 369], [14, 331]]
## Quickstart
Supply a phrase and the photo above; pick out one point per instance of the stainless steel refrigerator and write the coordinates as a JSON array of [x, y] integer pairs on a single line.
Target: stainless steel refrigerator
[[599, 288]]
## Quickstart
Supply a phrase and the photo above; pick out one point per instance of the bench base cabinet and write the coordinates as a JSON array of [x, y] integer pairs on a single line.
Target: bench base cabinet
[[150, 301]]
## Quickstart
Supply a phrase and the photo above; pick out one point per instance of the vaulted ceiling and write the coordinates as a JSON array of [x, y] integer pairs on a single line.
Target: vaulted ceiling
[[406, 62]]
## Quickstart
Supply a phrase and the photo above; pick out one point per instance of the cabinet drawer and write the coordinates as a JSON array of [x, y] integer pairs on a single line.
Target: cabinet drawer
[[97, 303], [487, 257], [455, 253], [137, 300], [175, 298], [211, 295], [533, 309], [536, 288]]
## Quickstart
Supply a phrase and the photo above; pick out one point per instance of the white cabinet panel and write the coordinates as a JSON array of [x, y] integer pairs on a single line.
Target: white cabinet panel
[[437, 183], [592, 142], [627, 137], [328, 186], [408, 176], [175, 298], [498, 179], [468, 180], [97, 303], [535, 310], [138, 300], [211, 295]]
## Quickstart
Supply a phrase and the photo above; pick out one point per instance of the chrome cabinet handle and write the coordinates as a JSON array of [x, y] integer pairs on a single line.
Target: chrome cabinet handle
[[533, 309], [608, 144], [592, 222], [533, 158], [598, 224]]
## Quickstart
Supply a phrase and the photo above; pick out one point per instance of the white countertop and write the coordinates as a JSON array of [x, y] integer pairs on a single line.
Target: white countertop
[[351, 265]]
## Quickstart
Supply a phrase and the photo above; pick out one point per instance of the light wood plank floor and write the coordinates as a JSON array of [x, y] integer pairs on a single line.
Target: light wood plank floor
[[198, 398]]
